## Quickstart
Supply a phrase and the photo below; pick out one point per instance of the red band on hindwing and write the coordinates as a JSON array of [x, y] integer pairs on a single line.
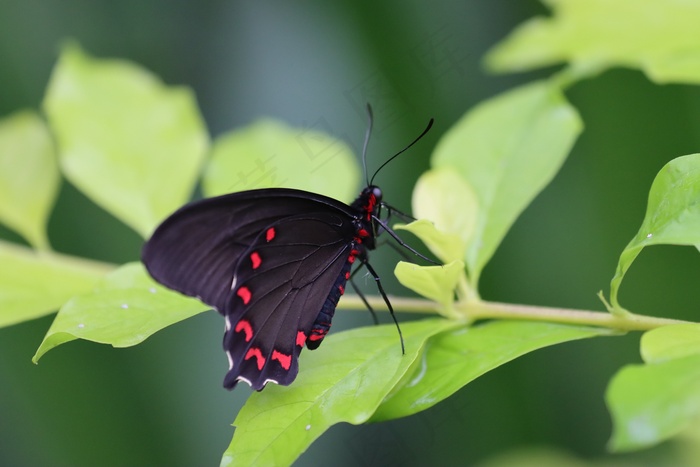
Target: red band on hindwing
[[270, 234], [301, 338], [244, 325], [255, 352], [244, 293], [285, 360], [255, 259], [318, 334]]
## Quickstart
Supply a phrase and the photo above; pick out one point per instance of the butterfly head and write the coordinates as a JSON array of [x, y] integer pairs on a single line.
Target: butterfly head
[[375, 193], [369, 201]]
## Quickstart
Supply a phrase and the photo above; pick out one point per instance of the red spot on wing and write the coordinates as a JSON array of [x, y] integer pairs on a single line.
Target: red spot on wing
[[285, 360], [301, 338], [317, 335], [362, 233], [255, 352], [244, 293], [347, 275], [270, 234], [341, 289], [255, 259], [244, 325]]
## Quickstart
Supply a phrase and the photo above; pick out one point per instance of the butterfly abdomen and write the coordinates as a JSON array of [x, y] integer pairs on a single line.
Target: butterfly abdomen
[[323, 321], [363, 239]]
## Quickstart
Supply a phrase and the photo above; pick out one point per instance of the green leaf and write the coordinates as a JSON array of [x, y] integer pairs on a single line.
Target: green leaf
[[29, 177], [672, 217], [657, 36], [122, 310], [668, 342], [446, 246], [436, 283], [130, 143], [34, 284], [269, 153], [507, 150], [652, 403], [455, 358], [343, 383], [444, 197]]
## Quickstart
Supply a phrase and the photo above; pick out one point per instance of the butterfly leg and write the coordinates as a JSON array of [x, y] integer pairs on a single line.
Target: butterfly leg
[[386, 300], [401, 242], [361, 295], [400, 251], [401, 215], [390, 210]]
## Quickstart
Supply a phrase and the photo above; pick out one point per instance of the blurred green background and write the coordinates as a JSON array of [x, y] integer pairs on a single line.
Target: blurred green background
[[315, 64]]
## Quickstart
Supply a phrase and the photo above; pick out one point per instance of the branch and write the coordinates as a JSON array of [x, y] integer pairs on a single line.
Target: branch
[[479, 310]]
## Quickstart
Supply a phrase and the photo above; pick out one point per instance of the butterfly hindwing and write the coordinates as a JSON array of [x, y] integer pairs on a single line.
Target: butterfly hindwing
[[281, 284]]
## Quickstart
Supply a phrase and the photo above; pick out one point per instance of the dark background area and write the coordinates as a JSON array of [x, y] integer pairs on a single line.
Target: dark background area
[[315, 64]]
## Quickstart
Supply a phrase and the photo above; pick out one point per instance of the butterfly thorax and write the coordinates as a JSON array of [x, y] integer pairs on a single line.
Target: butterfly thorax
[[367, 207]]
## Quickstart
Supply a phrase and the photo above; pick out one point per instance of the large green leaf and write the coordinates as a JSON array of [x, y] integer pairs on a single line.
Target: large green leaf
[[343, 383], [653, 402], [457, 357], [657, 36], [33, 284], [122, 310], [29, 176], [130, 143], [507, 149], [672, 216], [271, 154]]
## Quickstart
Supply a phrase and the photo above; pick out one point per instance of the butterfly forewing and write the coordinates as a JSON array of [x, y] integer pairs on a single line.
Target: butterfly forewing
[[195, 250]]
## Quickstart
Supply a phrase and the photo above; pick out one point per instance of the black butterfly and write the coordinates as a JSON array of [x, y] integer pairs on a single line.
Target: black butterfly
[[274, 262]]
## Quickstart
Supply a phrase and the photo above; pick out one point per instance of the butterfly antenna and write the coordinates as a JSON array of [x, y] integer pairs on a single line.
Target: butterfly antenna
[[430, 124], [370, 119]]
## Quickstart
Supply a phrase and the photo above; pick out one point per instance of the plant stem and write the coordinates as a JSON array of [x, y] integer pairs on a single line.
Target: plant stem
[[480, 310], [631, 322], [400, 304]]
